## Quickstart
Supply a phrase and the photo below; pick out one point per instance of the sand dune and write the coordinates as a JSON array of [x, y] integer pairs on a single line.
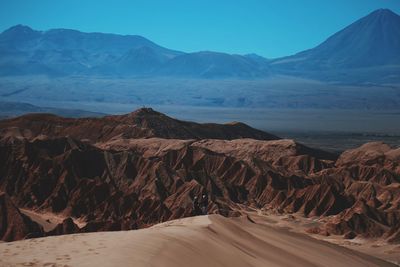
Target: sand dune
[[198, 241]]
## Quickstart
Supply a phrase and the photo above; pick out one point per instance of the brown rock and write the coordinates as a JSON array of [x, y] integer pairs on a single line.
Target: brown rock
[[117, 181], [13, 224]]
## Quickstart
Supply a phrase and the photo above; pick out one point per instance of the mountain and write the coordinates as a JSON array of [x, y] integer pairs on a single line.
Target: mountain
[[371, 42], [70, 52], [213, 65], [140, 60], [23, 38], [366, 51], [64, 52], [137, 61], [136, 170], [12, 109]]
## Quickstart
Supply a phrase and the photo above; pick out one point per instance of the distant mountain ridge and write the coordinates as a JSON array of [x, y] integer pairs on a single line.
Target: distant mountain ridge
[[67, 52], [367, 50], [12, 109]]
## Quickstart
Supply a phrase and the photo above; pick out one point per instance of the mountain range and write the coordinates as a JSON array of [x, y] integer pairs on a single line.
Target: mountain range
[[367, 50]]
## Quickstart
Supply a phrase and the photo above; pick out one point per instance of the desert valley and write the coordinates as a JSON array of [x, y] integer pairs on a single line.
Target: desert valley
[[118, 151]]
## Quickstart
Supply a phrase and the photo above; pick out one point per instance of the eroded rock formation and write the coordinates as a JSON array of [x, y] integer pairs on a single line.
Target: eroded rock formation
[[112, 179]]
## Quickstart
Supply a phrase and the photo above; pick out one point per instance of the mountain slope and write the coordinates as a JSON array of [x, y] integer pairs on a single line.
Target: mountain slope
[[64, 51], [212, 65], [13, 224], [143, 123], [137, 61], [369, 42]]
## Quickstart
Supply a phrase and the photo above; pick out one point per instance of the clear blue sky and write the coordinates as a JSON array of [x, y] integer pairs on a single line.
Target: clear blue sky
[[271, 28]]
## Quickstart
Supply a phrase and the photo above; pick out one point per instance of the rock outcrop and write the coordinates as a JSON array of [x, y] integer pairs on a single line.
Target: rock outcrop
[[13, 224]]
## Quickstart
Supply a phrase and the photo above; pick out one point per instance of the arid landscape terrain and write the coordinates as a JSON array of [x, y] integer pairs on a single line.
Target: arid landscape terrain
[[125, 172], [199, 133]]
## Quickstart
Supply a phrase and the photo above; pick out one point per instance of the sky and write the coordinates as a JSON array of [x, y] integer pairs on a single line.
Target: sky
[[271, 28]]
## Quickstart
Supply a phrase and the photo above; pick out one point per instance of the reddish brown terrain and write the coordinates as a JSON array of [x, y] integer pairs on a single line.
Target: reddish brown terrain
[[142, 123], [136, 170], [13, 224]]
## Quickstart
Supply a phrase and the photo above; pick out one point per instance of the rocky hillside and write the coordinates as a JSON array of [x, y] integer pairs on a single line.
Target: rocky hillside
[[13, 224], [133, 173], [142, 123]]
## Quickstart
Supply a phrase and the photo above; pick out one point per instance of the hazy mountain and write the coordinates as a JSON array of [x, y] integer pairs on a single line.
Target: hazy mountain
[[212, 65], [12, 109], [367, 51], [138, 61], [26, 39], [65, 52], [371, 42], [257, 58], [61, 51]]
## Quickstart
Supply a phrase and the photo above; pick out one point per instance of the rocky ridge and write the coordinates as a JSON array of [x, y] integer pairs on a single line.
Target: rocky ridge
[[142, 170]]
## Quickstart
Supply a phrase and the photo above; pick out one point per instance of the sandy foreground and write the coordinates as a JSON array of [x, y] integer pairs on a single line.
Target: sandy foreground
[[210, 240]]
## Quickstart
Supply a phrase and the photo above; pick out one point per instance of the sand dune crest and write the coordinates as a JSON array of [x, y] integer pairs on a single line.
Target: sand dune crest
[[198, 241]]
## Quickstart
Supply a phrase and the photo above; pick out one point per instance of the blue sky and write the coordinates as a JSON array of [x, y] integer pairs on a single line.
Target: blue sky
[[271, 28]]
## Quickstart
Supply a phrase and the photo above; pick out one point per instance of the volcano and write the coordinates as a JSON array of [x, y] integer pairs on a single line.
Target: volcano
[[372, 41]]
